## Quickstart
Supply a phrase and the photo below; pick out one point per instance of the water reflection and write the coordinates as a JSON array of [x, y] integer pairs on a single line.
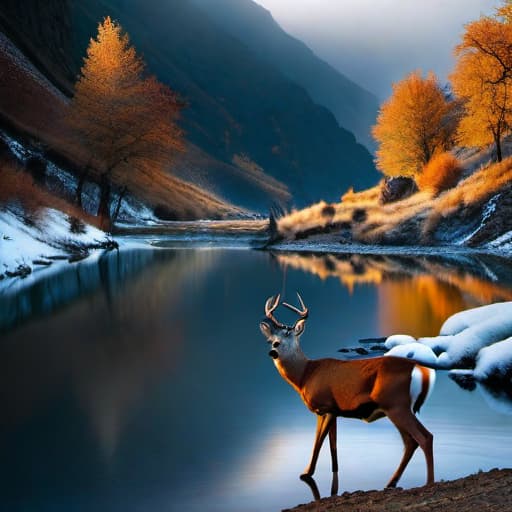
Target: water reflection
[[141, 382], [416, 295]]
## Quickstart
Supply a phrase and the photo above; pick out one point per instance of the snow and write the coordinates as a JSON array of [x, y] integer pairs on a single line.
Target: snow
[[416, 351], [460, 321], [45, 238], [64, 183], [480, 334], [398, 339], [19, 245], [494, 360], [489, 209]]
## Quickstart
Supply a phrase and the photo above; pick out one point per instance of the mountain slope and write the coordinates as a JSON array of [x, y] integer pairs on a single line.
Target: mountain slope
[[254, 136], [354, 107], [239, 106]]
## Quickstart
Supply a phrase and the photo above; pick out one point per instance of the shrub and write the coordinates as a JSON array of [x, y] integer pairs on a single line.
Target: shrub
[[359, 215], [328, 211], [441, 173]]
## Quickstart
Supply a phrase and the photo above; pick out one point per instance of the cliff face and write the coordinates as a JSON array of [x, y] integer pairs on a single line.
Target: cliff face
[[42, 30]]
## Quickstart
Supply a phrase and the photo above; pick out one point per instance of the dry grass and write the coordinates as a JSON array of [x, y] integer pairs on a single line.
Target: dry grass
[[18, 187], [473, 191], [368, 220], [37, 109], [370, 195], [441, 173], [411, 220]]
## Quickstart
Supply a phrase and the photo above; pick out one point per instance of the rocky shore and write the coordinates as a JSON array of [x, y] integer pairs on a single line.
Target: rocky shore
[[485, 491]]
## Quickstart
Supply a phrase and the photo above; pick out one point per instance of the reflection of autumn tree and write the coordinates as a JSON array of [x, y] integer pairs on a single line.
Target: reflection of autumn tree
[[483, 79], [125, 119], [414, 124], [415, 295]]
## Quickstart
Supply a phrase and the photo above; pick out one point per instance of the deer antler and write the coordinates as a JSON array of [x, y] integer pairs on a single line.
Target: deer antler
[[270, 306], [302, 313]]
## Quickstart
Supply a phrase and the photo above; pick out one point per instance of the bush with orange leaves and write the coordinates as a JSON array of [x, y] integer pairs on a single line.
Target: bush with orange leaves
[[18, 187], [441, 173]]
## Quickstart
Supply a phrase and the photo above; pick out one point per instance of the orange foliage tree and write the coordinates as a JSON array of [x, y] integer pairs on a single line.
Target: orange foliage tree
[[125, 119], [414, 124], [483, 79]]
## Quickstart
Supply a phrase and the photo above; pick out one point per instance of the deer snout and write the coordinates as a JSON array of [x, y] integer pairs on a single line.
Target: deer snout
[[273, 354]]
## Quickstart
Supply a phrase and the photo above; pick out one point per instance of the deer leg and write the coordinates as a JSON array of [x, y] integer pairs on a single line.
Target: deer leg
[[406, 421], [322, 427], [334, 457], [410, 446]]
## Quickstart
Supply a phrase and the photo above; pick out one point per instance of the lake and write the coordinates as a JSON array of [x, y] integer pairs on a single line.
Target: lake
[[141, 382]]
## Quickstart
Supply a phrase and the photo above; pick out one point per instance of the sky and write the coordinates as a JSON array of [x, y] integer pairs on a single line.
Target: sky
[[378, 42]]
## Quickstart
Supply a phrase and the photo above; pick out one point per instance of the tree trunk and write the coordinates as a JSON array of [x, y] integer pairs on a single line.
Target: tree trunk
[[499, 156], [79, 188], [104, 206], [118, 206]]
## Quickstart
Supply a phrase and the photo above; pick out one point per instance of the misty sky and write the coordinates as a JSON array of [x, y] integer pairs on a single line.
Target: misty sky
[[377, 42]]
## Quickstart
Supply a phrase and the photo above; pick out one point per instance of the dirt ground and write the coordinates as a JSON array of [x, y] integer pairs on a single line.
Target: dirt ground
[[489, 491]]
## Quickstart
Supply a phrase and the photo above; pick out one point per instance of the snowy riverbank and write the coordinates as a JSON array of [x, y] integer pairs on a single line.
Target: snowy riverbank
[[48, 239]]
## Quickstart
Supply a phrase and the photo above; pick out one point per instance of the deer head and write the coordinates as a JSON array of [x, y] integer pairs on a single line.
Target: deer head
[[283, 338]]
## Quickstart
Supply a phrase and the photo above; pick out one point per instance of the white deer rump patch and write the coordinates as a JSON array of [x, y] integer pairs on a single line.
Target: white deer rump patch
[[422, 384]]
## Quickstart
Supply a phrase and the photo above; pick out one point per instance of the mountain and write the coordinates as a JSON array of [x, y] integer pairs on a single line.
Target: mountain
[[354, 107], [254, 136]]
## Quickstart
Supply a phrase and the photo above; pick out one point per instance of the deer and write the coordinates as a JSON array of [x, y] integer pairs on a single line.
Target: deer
[[366, 389]]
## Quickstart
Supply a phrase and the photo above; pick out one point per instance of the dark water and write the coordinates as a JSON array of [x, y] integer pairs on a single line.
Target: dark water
[[141, 382]]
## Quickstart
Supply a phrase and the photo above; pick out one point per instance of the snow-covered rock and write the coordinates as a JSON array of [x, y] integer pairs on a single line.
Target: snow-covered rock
[[463, 337], [398, 339], [417, 352], [492, 376]]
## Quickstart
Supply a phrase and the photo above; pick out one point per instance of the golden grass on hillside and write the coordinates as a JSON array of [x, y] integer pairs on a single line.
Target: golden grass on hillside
[[440, 174], [474, 190], [369, 195], [362, 212]]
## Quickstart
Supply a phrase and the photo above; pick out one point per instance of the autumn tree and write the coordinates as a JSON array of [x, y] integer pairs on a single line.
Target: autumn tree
[[416, 123], [125, 119], [483, 79]]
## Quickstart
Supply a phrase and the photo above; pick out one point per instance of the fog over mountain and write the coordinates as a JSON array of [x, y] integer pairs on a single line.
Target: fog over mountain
[[377, 43]]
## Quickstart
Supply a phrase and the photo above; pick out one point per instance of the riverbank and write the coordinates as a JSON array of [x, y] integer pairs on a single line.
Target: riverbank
[[489, 491]]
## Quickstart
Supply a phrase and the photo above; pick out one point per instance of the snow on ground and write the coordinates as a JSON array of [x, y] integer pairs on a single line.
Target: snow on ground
[[481, 334], [46, 241], [64, 183]]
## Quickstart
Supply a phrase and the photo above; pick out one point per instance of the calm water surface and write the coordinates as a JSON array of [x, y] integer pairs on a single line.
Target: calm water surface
[[141, 382]]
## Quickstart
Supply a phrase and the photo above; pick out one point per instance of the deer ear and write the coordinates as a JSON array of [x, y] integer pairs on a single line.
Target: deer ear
[[265, 329], [300, 325]]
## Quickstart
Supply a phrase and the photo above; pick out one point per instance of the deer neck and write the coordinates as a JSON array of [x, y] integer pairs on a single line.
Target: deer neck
[[292, 367]]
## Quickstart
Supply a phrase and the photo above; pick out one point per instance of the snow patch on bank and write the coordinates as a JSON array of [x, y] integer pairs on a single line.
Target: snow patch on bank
[[49, 240]]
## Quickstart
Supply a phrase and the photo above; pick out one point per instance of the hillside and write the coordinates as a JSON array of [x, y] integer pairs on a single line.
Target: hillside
[[476, 213], [239, 108], [237, 104], [354, 108], [31, 110]]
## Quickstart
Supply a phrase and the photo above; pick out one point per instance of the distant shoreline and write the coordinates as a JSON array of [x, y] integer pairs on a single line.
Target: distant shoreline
[[491, 490]]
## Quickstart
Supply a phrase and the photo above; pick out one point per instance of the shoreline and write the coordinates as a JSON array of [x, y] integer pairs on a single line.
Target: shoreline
[[490, 490], [325, 247], [198, 234]]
